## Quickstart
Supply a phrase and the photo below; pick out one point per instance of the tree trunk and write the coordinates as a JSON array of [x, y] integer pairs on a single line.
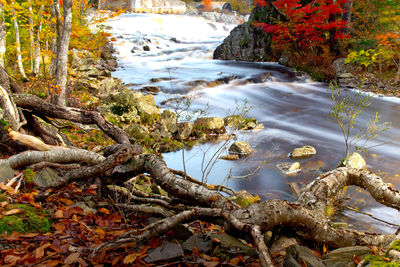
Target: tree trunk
[[346, 16], [62, 55], [31, 34], [2, 35], [38, 42], [55, 14], [17, 41]]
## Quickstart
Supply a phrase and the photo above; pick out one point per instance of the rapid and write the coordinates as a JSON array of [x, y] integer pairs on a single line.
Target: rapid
[[293, 109]]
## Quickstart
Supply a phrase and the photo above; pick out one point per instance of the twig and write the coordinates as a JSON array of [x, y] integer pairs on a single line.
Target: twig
[[145, 209]]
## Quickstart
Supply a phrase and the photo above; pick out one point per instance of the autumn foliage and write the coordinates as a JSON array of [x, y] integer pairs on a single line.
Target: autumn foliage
[[305, 26], [207, 4]]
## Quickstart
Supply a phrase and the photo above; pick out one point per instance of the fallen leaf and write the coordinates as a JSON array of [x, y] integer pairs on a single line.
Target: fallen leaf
[[66, 201], [235, 261], [101, 233], [60, 228], [11, 259], [213, 199], [104, 210], [29, 235], [3, 204], [130, 258], [356, 259], [39, 252], [10, 190], [59, 214], [209, 258], [324, 249], [52, 263], [195, 251], [13, 212], [116, 260], [72, 258]]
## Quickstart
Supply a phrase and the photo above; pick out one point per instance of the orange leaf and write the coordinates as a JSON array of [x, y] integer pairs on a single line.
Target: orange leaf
[[10, 190], [66, 201], [100, 232], [130, 258], [116, 260], [59, 214], [52, 263], [3, 204], [213, 199], [195, 251], [356, 259], [72, 258], [324, 249], [60, 228], [104, 210], [13, 212], [39, 252], [235, 261]]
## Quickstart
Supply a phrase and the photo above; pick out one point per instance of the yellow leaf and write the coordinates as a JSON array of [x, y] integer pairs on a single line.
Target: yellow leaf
[[100, 232], [130, 258]]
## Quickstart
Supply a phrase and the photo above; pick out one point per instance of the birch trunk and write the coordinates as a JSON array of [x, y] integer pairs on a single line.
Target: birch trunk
[[36, 52], [62, 55], [17, 41], [2, 35], [31, 34]]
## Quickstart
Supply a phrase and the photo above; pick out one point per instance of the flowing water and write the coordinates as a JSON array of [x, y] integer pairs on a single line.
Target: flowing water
[[294, 110]]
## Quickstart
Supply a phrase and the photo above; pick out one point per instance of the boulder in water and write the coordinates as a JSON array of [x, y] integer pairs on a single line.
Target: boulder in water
[[241, 148], [227, 7], [354, 161], [301, 152]]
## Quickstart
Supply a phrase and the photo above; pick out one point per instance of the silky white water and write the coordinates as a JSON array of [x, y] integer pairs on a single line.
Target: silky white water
[[295, 111]]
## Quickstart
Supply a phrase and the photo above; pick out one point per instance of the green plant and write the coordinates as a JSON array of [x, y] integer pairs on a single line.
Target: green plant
[[346, 110]]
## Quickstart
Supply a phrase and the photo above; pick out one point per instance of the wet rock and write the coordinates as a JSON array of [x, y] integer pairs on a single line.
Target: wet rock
[[6, 172], [46, 177], [343, 257], [289, 167], [354, 161], [241, 148], [297, 256], [146, 48], [137, 131], [202, 242], [175, 40], [227, 7], [301, 152], [169, 120], [167, 251], [230, 157], [184, 130], [152, 89]]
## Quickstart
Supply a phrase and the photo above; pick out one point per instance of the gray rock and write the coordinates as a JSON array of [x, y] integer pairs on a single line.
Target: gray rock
[[167, 251], [343, 257], [282, 244], [109, 84], [241, 148], [6, 172], [137, 131], [296, 254], [247, 42], [289, 167], [233, 245], [46, 177], [203, 243]]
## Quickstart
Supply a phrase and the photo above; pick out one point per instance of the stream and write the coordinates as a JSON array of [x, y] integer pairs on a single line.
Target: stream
[[176, 51]]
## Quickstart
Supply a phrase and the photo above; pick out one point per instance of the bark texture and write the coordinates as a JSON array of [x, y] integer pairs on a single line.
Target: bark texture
[[17, 41], [63, 38], [2, 36]]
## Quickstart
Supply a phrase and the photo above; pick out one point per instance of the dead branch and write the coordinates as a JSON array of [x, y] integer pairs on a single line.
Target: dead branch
[[59, 155], [42, 108]]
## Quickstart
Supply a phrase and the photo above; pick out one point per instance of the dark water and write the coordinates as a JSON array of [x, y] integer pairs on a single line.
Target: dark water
[[295, 111]]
